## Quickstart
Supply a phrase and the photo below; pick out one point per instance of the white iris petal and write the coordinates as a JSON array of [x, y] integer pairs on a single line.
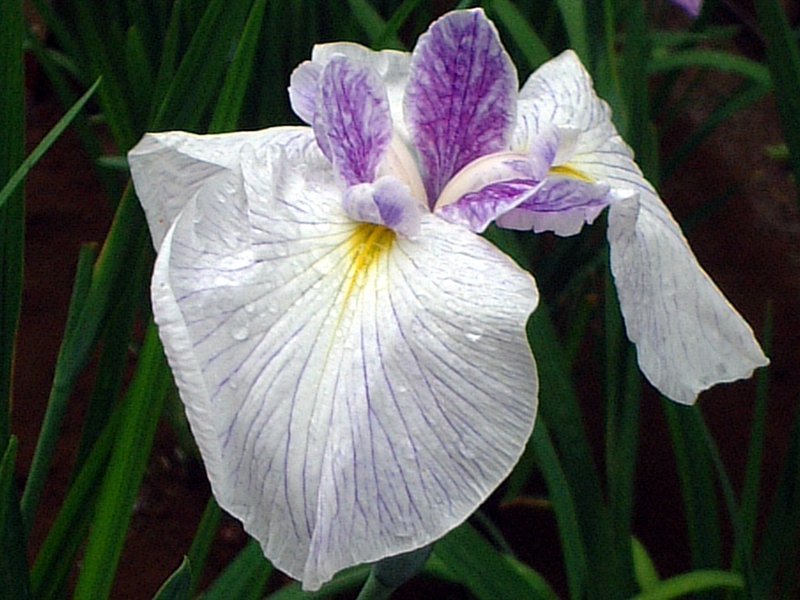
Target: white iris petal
[[688, 337], [354, 393]]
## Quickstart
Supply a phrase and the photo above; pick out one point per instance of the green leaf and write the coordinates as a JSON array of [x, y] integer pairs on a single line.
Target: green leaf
[[697, 484], [524, 36], [345, 582], [177, 586], [781, 533], [203, 538], [712, 59], [14, 581], [646, 572], [66, 536], [464, 556], [783, 55], [373, 24], [245, 578], [692, 583], [12, 215], [231, 98], [22, 171], [126, 468]]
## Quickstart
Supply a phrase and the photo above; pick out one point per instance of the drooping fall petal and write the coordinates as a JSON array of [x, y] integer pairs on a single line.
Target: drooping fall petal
[[353, 394]]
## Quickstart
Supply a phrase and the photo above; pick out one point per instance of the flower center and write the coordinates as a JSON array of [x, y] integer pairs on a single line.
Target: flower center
[[368, 243]]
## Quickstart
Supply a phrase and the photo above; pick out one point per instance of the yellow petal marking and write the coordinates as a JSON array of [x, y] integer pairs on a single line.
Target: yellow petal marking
[[367, 245], [572, 172]]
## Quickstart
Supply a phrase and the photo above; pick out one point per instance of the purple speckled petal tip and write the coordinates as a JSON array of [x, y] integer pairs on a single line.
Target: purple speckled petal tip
[[460, 102], [561, 205], [477, 210], [353, 125]]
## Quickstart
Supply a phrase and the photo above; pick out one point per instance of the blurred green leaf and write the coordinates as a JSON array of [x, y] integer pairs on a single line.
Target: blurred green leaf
[[712, 59], [177, 586], [126, 467], [783, 56], [373, 24], [347, 581], [779, 542], [203, 539], [232, 95], [695, 470], [12, 215], [22, 171], [524, 36], [692, 583], [464, 556], [646, 572], [14, 581]]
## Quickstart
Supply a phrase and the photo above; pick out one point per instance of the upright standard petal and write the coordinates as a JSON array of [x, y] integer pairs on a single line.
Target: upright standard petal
[[460, 101], [688, 337], [352, 124], [355, 394], [392, 67]]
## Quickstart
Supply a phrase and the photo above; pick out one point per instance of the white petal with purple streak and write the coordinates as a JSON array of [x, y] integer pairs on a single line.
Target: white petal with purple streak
[[688, 337], [355, 394]]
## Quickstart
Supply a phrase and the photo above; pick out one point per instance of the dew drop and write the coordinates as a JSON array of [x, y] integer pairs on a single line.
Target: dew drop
[[474, 336], [240, 333]]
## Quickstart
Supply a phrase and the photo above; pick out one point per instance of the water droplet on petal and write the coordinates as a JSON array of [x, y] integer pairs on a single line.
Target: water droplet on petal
[[474, 336], [240, 333]]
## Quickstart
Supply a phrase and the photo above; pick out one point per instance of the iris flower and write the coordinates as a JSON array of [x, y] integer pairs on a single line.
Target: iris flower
[[351, 353]]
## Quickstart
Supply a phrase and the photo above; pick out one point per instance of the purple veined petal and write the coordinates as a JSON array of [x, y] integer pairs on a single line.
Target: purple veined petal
[[387, 202], [392, 67], [354, 394], [460, 102], [688, 336], [353, 125], [303, 89], [169, 168], [477, 210], [560, 204]]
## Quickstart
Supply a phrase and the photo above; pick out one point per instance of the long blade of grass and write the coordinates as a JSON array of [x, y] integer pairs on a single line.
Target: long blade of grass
[[114, 264], [232, 95], [783, 55], [126, 468], [745, 543], [572, 545], [699, 494], [524, 36], [12, 215], [783, 523], [14, 582], [22, 171], [203, 539], [196, 81], [712, 59], [575, 22], [66, 536], [749, 94], [373, 24], [692, 583]]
